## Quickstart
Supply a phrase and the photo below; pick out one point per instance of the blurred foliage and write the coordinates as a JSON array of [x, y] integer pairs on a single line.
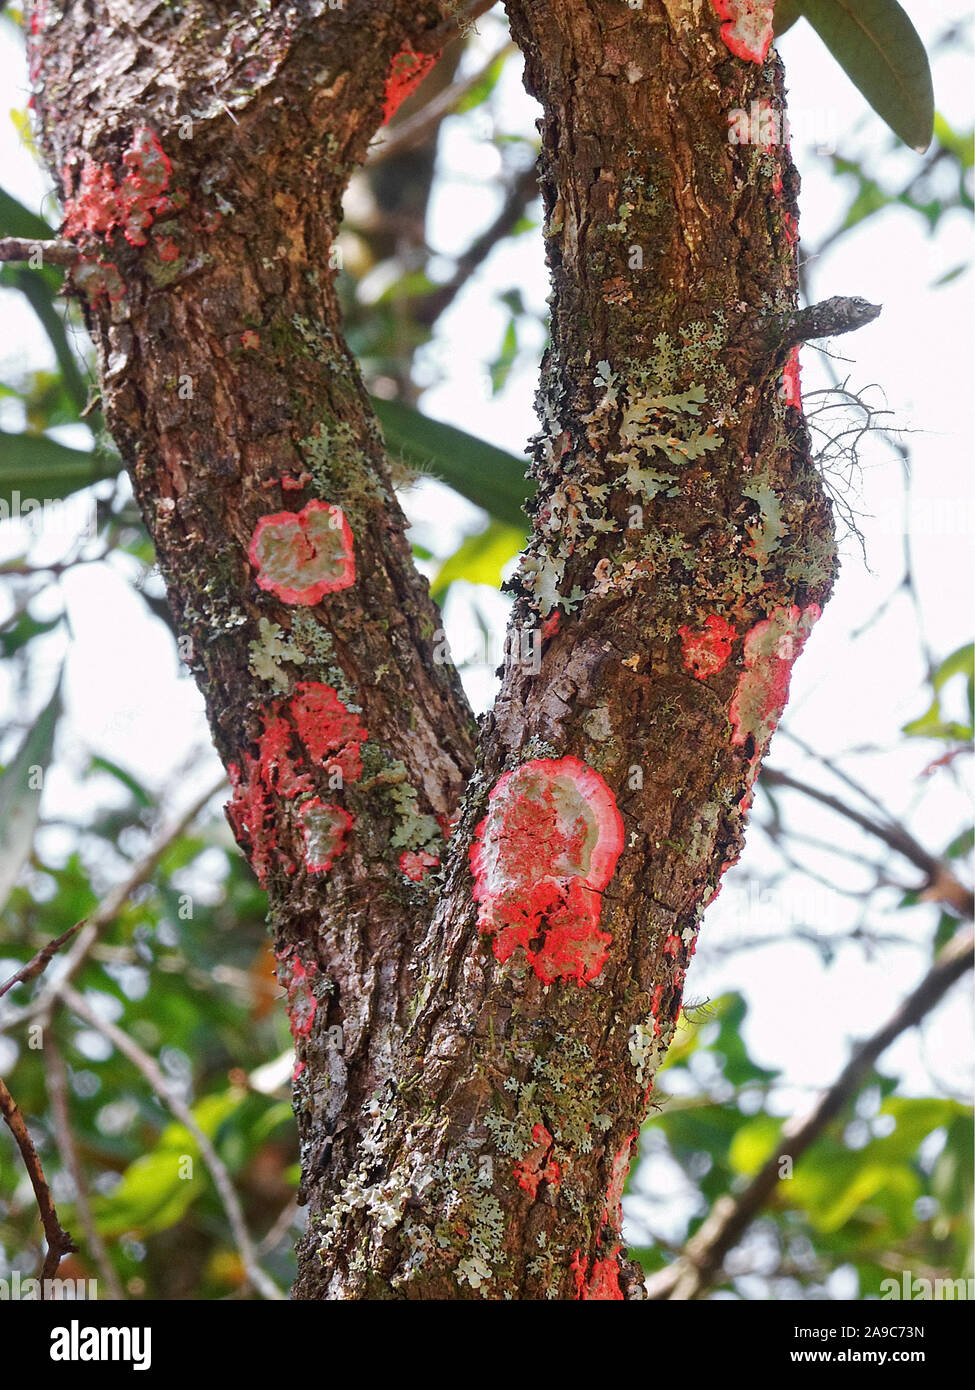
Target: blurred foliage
[[185, 968]]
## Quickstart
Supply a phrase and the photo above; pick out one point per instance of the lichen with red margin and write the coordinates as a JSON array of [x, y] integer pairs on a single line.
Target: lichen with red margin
[[538, 1165], [325, 828], [406, 72], [310, 729], [706, 649], [771, 648], [302, 556], [748, 28], [542, 856]]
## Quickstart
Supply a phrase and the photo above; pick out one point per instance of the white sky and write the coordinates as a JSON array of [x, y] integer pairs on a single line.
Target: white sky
[[126, 700]]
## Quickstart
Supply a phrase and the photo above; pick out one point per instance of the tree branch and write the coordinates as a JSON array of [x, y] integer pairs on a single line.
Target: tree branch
[[942, 886], [57, 1089], [149, 1068], [828, 319], [104, 914], [59, 1242], [698, 1266], [15, 248], [39, 963]]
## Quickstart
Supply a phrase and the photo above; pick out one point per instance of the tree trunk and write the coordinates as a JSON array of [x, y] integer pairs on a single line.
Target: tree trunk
[[475, 1057]]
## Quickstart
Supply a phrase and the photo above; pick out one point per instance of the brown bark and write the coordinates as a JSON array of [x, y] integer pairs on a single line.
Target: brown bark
[[674, 486]]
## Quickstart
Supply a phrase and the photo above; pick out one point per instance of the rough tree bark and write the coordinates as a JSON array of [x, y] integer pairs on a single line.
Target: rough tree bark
[[473, 1070]]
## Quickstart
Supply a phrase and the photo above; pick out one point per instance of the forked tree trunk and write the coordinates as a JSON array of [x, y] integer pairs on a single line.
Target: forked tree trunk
[[474, 1063]]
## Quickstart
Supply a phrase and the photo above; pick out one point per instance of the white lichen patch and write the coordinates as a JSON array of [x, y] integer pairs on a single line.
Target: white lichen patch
[[268, 650]]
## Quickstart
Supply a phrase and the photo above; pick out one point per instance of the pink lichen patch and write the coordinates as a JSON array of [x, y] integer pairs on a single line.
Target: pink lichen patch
[[98, 207], [790, 388], [311, 729], [613, 1210], [406, 72], [550, 625], [325, 828], [301, 556], [417, 863], [331, 733], [771, 647], [706, 649], [603, 1284], [302, 1004], [543, 854], [538, 1165], [167, 249], [748, 29], [249, 339]]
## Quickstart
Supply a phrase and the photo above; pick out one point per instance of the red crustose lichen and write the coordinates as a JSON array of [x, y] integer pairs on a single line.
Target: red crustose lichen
[[748, 28], [311, 729], [301, 556], [406, 72], [603, 1284], [771, 647], [538, 1165], [790, 388], [543, 854], [97, 207], [706, 649], [416, 863]]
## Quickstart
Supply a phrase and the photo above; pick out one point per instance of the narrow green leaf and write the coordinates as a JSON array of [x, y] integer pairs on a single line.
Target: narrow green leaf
[[880, 51], [481, 558], [786, 14], [477, 470], [100, 764], [20, 795], [39, 467]]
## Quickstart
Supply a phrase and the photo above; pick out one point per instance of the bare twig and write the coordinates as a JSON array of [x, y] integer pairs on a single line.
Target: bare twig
[[15, 248], [39, 963], [57, 1089], [941, 885], [519, 195], [150, 1069], [703, 1255], [59, 1242], [109, 908]]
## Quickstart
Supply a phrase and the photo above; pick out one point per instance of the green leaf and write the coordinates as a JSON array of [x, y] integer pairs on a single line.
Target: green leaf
[[932, 723], [477, 470], [100, 764], [20, 795], [480, 559], [18, 221], [23, 630], [786, 14], [40, 468], [880, 51]]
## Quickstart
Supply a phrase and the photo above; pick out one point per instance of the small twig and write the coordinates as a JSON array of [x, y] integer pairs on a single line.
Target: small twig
[[57, 1089], [522, 191], [728, 1219], [17, 248], [109, 908], [39, 963], [59, 1242], [150, 1069], [941, 884]]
